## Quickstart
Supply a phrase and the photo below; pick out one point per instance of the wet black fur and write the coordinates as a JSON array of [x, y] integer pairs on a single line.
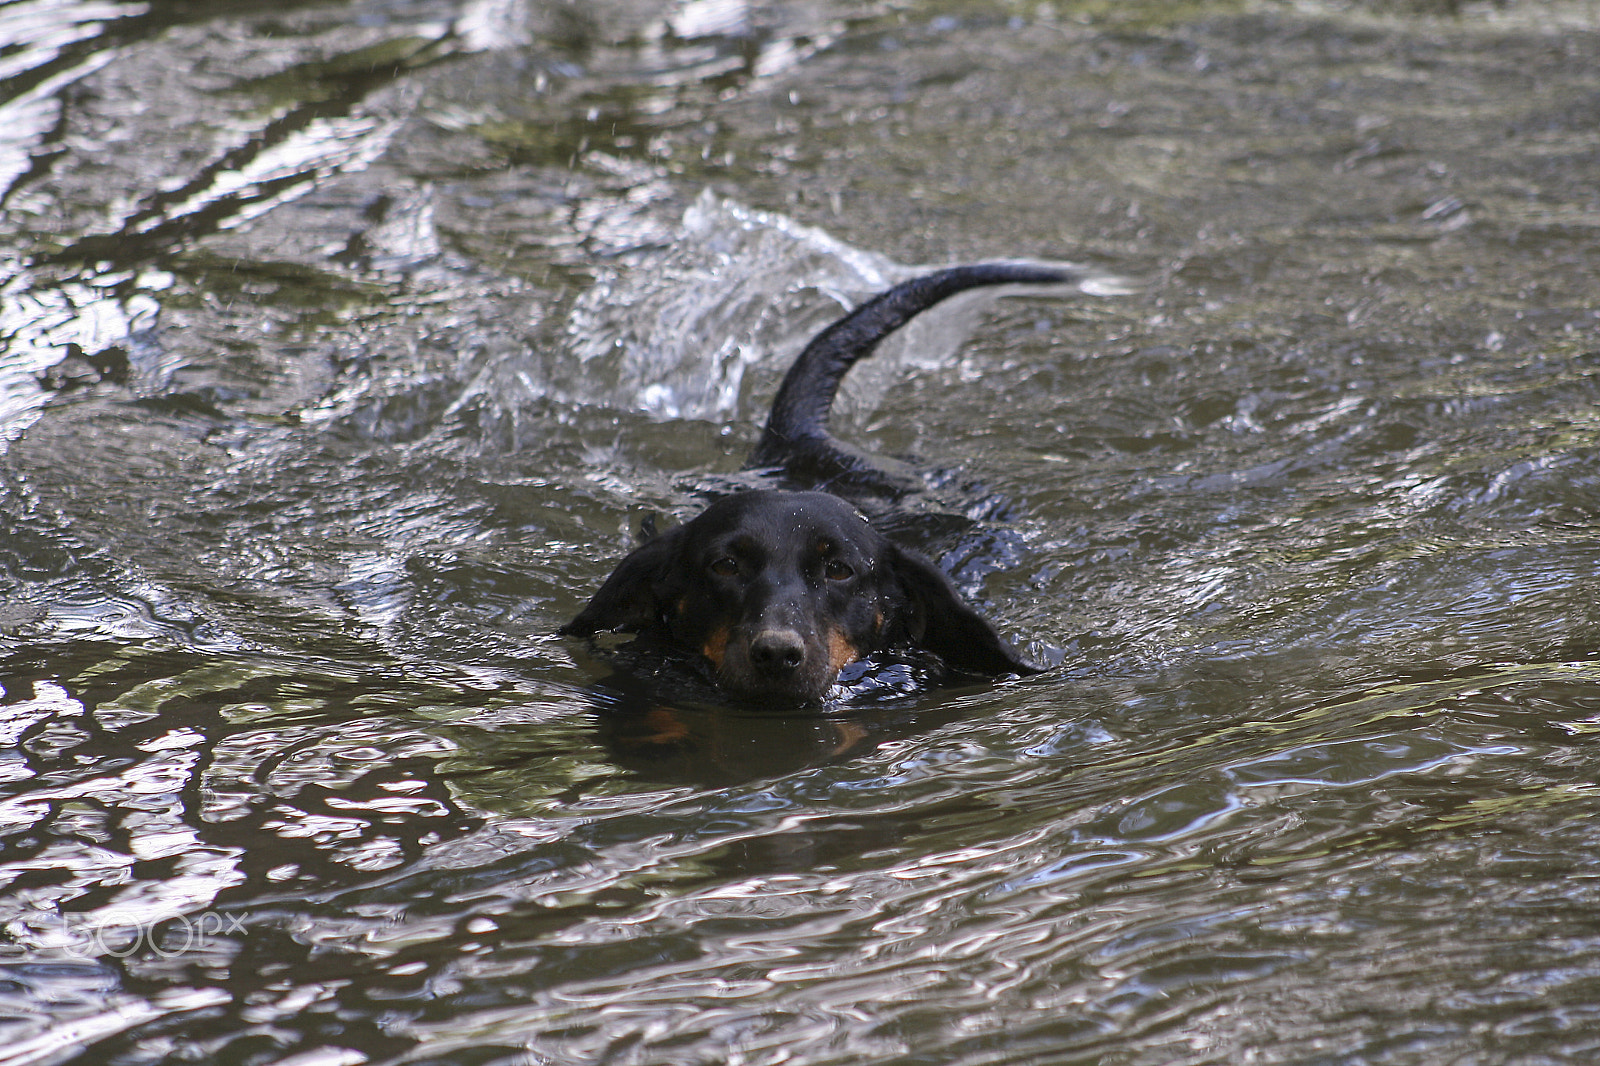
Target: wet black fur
[[777, 590]]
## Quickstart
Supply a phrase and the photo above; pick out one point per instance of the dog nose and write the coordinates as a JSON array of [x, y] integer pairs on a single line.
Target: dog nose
[[777, 651]]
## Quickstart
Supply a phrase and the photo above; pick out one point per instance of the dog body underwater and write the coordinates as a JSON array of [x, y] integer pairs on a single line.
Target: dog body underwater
[[774, 590]]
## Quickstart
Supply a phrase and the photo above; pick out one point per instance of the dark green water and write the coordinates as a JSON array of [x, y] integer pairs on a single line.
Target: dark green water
[[346, 345]]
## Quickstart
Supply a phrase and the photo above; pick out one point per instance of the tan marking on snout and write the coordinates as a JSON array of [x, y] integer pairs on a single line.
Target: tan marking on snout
[[840, 651], [716, 647]]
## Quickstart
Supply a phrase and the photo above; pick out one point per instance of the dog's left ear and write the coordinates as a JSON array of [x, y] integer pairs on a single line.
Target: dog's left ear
[[941, 621], [636, 592]]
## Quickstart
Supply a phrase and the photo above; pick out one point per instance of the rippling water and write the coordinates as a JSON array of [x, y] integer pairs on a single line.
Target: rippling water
[[347, 345]]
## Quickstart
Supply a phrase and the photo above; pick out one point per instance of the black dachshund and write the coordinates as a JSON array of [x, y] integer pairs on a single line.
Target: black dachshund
[[779, 590]]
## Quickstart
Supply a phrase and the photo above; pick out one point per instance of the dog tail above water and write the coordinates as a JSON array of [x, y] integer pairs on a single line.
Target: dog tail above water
[[796, 438]]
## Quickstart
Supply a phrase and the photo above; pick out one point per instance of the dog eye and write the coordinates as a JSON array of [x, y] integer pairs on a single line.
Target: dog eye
[[838, 571], [726, 566]]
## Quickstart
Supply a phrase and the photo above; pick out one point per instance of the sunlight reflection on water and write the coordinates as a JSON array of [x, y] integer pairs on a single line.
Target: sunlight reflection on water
[[345, 350]]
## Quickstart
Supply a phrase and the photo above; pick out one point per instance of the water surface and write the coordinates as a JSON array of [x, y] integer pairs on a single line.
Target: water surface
[[346, 346]]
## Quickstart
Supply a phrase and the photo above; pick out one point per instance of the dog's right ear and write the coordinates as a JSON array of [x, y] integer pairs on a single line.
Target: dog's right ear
[[635, 594]]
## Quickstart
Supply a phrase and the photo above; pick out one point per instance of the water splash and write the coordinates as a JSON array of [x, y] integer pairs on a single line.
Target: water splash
[[703, 326]]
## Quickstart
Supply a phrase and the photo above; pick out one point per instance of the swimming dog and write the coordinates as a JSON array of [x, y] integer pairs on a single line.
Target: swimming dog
[[775, 591]]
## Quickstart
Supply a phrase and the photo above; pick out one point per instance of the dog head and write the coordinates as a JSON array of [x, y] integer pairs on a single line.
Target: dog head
[[778, 591]]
